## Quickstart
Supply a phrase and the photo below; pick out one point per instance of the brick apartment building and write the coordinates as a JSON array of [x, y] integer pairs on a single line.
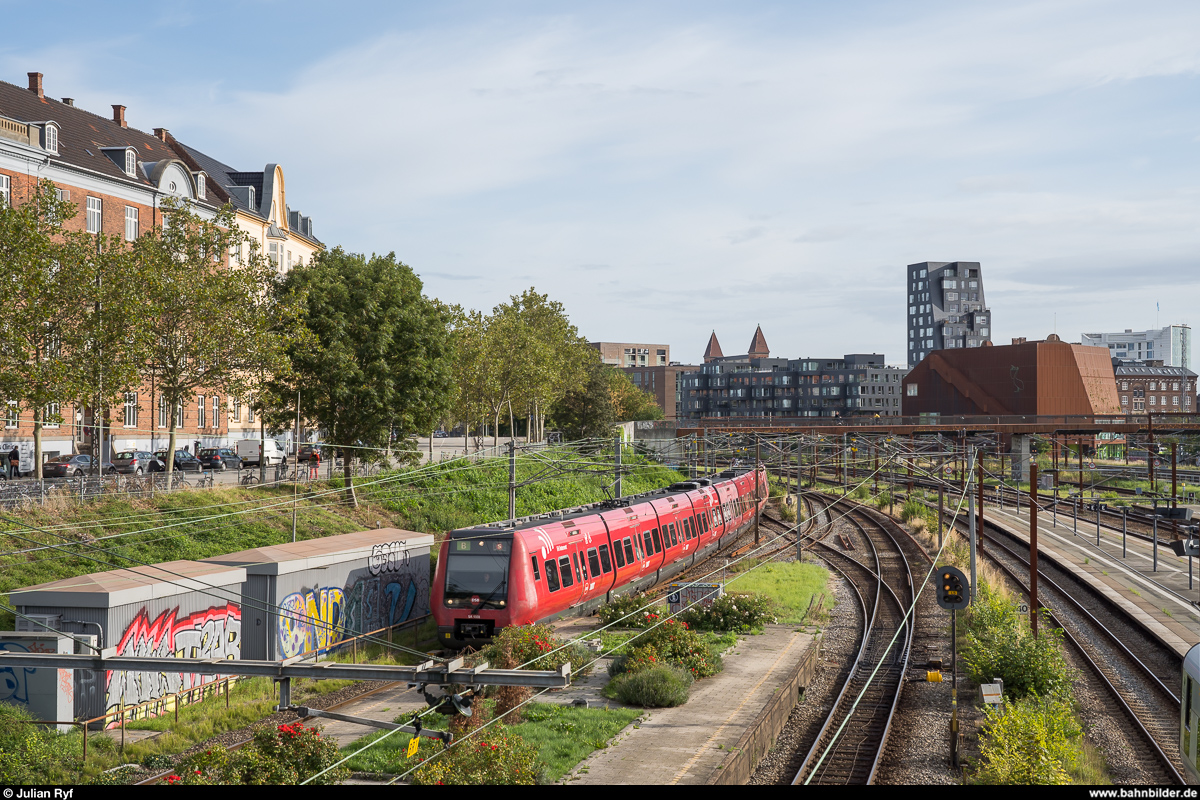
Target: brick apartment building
[[1150, 387], [118, 177], [628, 354]]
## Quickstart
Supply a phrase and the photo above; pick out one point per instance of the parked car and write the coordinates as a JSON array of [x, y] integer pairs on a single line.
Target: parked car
[[220, 458], [183, 460], [440, 435], [307, 451], [135, 462], [68, 466], [250, 451]]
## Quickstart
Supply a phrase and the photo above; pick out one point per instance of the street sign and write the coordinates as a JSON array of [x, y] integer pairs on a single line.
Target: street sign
[[953, 590], [993, 693], [1023, 609]]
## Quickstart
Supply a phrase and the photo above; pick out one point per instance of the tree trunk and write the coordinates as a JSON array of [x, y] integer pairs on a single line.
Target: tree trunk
[[348, 473], [512, 429], [171, 447], [431, 445], [37, 444], [496, 430]]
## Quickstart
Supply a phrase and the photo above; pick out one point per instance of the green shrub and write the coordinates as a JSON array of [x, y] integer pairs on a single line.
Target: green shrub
[[284, 755], [861, 492], [635, 659], [627, 612], [912, 509], [732, 612], [494, 758], [1001, 645], [31, 754], [677, 644], [656, 687], [536, 647], [157, 762], [883, 500], [1029, 741]]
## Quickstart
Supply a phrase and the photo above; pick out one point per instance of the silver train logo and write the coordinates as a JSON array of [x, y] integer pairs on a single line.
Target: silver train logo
[[390, 557]]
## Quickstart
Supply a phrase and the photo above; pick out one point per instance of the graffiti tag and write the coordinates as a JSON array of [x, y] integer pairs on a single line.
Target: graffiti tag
[[390, 557], [14, 681], [309, 620], [212, 633]]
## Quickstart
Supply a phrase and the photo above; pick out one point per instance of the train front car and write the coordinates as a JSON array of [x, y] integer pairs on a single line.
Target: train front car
[[1189, 715], [471, 587]]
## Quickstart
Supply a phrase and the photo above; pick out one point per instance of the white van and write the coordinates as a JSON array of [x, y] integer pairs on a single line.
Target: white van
[[249, 451]]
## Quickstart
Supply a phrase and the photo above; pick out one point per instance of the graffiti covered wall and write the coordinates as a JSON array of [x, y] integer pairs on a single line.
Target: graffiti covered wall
[[46, 693], [391, 589], [214, 632]]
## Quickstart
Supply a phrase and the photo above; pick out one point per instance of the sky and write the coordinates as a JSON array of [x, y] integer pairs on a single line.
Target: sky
[[669, 169]]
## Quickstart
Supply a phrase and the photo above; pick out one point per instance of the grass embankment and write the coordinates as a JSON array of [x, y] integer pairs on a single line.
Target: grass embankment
[[562, 735], [794, 588]]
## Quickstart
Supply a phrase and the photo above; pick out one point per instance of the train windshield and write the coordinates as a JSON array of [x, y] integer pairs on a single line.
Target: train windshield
[[477, 573]]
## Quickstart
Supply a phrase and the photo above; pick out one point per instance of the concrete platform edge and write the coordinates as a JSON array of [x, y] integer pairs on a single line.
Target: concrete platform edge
[[760, 736]]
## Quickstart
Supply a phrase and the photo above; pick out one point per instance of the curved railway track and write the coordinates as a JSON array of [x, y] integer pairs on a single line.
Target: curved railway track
[[851, 741]]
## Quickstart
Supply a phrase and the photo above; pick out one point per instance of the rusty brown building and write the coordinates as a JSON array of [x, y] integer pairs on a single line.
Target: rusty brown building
[[1047, 377], [665, 383]]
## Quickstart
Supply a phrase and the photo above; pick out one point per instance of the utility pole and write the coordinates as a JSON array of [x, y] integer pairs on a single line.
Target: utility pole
[[296, 474], [1033, 549], [971, 514], [941, 496], [512, 478], [757, 493], [617, 445], [979, 501], [1174, 476]]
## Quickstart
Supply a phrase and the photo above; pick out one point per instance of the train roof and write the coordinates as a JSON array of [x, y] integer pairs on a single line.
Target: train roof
[[510, 526]]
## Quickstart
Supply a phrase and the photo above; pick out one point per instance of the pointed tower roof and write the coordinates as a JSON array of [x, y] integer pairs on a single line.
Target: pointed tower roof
[[758, 346], [713, 350]]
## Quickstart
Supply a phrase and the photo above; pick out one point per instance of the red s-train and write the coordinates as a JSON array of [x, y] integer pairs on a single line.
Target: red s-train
[[569, 562]]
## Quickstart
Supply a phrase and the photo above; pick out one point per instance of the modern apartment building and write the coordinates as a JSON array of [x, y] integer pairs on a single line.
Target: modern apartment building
[[756, 385], [946, 308], [628, 354], [1171, 345], [665, 383]]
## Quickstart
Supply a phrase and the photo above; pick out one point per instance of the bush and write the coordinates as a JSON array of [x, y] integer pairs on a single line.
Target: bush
[[912, 509], [635, 660], [675, 643], [1030, 741], [31, 754], [741, 613], [883, 500], [497, 758], [284, 755], [656, 687], [536, 647], [1001, 645], [627, 612]]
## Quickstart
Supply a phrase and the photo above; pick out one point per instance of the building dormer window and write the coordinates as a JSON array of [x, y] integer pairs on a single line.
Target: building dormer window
[[130, 163], [200, 185], [51, 136]]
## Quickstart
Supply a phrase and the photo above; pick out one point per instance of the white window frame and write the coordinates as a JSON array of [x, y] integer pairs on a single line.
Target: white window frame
[[179, 413], [131, 223], [51, 410], [131, 409], [52, 139], [95, 215], [130, 163], [12, 414], [163, 422], [910, 390], [200, 187], [250, 410], [6, 189], [200, 415], [216, 412], [237, 409]]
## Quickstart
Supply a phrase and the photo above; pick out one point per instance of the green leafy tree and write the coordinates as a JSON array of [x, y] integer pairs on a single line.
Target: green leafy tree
[[586, 410], [377, 356], [68, 297], [214, 325], [630, 402], [467, 337]]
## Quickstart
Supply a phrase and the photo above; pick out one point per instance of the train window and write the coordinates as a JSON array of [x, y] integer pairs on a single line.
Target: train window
[[690, 525], [707, 523], [619, 553], [674, 535], [629, 551], [657, 547], [551, 575], [685, 529], [593, 561], [581, 575], [536, 575], [695, 527], [649, 545], [564, 568], [605, 561]]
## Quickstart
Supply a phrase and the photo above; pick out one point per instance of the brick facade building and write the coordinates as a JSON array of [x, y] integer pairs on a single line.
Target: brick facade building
[[118, 177]]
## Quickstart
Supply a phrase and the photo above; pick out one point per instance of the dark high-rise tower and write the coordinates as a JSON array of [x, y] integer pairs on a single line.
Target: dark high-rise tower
[[946, 308]]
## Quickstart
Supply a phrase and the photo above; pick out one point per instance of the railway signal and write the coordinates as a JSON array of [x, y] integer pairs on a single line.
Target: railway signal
[[953, 589]]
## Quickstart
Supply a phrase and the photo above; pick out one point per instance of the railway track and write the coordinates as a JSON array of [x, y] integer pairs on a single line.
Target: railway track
[[850, 743]]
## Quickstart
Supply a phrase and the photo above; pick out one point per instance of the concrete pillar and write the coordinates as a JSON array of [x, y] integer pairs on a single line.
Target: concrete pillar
[[1020, 457]]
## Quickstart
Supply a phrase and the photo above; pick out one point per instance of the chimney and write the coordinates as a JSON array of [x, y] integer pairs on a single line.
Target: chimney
[[119, 115], [69, 101], [161, 133], [35, 83]]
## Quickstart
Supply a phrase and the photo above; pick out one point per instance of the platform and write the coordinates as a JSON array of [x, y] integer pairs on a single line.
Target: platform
[[1160, 600], [729, 722]]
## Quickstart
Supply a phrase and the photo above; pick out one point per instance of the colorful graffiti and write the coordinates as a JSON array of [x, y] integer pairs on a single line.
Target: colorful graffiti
[[14, 681], [310, 619], [389, 557], [318, 618], [212, 633]]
